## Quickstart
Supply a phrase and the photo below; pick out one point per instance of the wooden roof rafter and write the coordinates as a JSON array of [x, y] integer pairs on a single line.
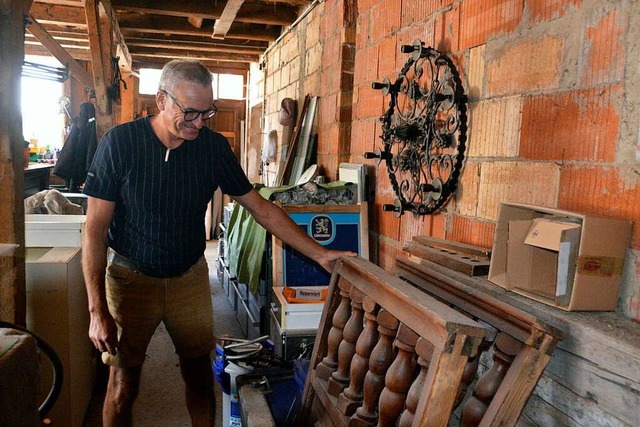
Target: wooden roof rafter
[[77, 71]]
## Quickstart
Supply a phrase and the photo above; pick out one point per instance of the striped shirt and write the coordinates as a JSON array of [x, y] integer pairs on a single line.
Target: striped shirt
[[158, 222]]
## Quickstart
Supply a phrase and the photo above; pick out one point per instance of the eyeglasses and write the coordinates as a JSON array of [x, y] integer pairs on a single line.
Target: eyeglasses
[[191, 115]]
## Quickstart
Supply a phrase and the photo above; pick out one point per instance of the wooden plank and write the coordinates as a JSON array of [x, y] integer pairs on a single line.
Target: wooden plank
[[461, 262], [76, 70], [464, 248], [517, 385], [615, 394], [223, 24], [569, 406], [441, 386]]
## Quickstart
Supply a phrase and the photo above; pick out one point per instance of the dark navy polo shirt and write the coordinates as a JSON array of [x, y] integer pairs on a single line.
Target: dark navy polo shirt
[[158, 222]]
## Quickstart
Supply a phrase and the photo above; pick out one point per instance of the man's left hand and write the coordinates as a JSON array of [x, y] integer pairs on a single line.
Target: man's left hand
[[329, 258]]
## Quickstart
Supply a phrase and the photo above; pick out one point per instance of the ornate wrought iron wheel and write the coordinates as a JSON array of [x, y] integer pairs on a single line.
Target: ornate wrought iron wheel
[[424, 131]]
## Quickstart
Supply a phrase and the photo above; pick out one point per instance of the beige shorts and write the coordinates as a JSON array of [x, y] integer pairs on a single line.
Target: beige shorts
[[138, 303]]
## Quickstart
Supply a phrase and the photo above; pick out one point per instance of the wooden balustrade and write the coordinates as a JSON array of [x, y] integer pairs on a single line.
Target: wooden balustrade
[[385, 353], [521, 350], [340, 378], [352, 396]]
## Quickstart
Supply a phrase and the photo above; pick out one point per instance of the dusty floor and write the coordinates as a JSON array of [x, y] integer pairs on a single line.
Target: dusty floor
[[161, 401]]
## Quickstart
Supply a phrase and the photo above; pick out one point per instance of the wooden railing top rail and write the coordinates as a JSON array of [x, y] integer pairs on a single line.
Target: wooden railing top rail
[[425, 315], [458, 290]]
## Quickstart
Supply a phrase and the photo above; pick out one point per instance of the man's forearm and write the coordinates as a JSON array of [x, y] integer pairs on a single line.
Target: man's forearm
[[94, 262]]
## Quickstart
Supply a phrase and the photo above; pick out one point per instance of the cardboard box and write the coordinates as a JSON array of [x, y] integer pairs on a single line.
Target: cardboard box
[[565, 259]]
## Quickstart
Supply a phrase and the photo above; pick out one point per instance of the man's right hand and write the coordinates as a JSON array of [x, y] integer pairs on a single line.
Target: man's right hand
[[103, 332]]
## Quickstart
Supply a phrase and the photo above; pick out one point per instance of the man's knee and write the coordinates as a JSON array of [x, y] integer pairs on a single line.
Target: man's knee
[[196, 371], [124, 384]]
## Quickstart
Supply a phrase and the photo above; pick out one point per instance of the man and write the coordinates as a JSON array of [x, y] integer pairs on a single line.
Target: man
[[148, 188]]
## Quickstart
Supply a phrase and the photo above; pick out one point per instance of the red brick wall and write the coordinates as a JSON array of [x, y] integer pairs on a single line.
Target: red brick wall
[[316, 58], [553, 87], [547, 87]]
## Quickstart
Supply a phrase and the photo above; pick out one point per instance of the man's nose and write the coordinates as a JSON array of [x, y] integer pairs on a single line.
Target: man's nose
[[199, 121]]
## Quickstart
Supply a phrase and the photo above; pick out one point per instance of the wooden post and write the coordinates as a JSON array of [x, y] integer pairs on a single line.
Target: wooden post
[[129, 98], [100, 44], [12, 269]]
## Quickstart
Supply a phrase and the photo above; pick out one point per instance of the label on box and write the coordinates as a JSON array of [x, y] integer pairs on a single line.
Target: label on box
[[600, 265], [304, 295]]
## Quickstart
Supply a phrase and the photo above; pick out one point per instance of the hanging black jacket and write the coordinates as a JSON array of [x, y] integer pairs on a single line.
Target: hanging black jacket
[[80, 146]]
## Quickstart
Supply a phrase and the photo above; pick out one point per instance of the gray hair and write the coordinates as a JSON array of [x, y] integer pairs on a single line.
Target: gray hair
[[183, 71]]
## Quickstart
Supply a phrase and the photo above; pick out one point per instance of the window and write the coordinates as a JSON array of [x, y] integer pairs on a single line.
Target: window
[[42, 116], [225, 86], [149, 79], [230, 86]]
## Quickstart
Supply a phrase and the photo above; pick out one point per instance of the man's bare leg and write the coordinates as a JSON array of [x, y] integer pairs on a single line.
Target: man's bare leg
[[198, 378], [122, 391]]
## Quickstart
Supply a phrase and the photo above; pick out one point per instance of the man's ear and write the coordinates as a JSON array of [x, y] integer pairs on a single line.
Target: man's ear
[[161, 100]]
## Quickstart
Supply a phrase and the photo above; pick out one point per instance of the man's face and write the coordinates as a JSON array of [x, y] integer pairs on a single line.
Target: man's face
[[186, 97]]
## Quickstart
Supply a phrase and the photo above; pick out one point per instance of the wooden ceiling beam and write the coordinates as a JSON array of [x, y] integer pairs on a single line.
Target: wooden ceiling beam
[[291, 2], [250, 13], [196, 41], [137, 52], [77, 53], [124, 58], [77, 38], [61, 15], [61, 2], [130, 23], [77, 71], [198, 48], [223, 24], [144, 61], [100, 43], [65, 45], [212, 65]]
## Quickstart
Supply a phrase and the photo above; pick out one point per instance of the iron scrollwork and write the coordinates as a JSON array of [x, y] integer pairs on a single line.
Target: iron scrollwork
[[424, 131]]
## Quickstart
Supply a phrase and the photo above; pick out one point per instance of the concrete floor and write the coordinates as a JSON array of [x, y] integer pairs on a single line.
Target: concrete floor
[[161, 401]]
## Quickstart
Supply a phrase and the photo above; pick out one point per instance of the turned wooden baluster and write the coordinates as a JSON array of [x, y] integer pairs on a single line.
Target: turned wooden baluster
[[351, 397], [340, 378], [471, 368], [398, 379], [505, 349], [424, 350], [339, 320], [379, 362]]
